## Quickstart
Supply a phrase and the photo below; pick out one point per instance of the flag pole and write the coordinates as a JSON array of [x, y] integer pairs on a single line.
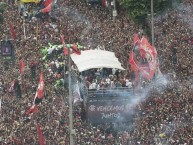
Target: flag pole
[[152, 23], [24, 29], [37, 35], [63, 43], [70, 101], [114, 10]]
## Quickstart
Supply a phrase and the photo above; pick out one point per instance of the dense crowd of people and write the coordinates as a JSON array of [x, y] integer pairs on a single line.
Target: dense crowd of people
[[164, 117]]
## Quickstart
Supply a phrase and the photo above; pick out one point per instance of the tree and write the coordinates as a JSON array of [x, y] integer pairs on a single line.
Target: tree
[[2, 9], [139, 9]]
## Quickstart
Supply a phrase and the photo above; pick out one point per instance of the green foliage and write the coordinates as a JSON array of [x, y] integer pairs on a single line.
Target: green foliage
[[2, 9], [139, 9], [1, 18]]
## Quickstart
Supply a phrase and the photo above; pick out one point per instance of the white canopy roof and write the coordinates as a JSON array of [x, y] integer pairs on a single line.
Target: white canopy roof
[[96, 59]]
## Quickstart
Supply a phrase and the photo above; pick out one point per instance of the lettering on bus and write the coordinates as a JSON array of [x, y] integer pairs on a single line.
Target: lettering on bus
[[109, 108], [110, 115]]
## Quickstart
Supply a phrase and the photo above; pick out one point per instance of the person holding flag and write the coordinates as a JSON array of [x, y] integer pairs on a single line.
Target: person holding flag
[[38, 97]]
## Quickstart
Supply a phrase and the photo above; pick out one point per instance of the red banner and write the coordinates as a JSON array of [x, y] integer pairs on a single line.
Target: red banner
[[40, 135], [40, 91], [148, 54]]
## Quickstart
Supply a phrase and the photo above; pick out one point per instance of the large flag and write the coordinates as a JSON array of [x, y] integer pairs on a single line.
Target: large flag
[[21, 67], [40, 135], [132, 61], [150, 54], [12, 30], [146, 52]]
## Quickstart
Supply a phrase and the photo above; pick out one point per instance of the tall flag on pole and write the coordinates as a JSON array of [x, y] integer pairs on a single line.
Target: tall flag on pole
[[40, 135], [12, 30], [150, 54], [145, 52]]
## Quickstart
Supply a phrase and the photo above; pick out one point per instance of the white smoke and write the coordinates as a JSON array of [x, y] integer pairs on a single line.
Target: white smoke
[[75, 19], [159, 84], [183, 13]]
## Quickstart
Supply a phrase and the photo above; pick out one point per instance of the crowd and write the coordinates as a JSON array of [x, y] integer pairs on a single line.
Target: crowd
[[164, 117]]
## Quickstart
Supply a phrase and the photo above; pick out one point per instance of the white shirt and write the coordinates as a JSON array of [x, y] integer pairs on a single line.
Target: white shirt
[[128, 83], [93, 86], [108, 80]]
